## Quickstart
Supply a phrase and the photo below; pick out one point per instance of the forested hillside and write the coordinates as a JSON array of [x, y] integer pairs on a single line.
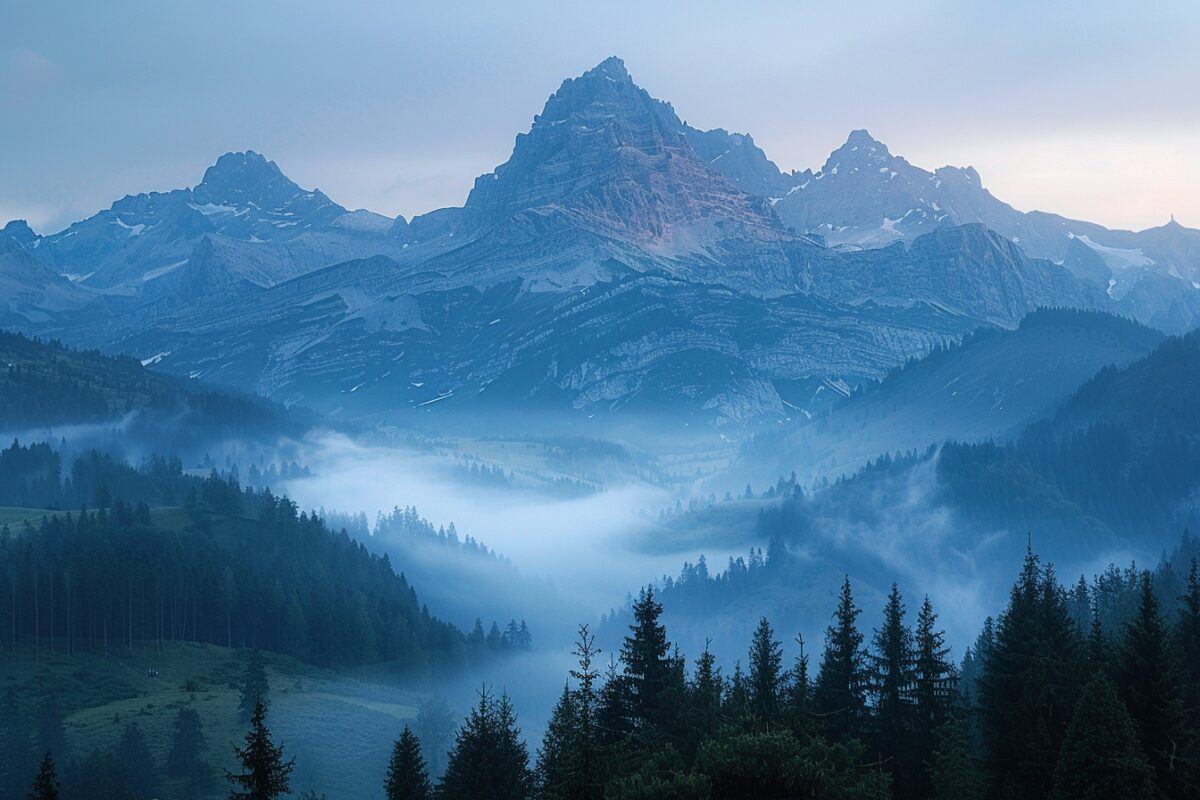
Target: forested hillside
[[45, 384]]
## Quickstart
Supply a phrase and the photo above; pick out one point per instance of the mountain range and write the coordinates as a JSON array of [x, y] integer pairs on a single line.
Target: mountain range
[[619, 261]]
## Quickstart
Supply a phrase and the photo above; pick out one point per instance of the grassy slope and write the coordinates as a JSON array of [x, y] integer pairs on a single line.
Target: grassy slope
[[340, 729]]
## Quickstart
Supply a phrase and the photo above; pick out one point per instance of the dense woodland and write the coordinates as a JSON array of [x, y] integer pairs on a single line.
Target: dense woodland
[[229, 565], [45, 384], [1061, 697]]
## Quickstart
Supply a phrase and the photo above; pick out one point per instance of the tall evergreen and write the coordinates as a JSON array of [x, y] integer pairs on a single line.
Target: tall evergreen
[[934, 693], [840, 693], [407, 777], [953, 773], [557, 763], [704, 700], [187, 744], [45, 785], [1149, 681], [254, 686], [1187, 643], [798, 694], [135, 756], [766, 672], [892, 678], [18, 758], [1028, 687], [264, 774], [646, 660], [588, 780], [1101, 758], [489, 760]]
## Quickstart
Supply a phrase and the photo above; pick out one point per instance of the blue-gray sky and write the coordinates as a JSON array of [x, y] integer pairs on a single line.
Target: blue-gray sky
[[1084, 108]]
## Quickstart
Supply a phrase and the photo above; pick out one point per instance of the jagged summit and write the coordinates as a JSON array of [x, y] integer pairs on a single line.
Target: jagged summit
[[614, 160], [240, 170], [19, 231]]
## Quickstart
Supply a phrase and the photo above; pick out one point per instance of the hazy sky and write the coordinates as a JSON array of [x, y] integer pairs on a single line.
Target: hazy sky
[[1090, 109]]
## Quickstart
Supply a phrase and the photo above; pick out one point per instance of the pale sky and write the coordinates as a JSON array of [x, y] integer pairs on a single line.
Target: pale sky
[[1089, 109]]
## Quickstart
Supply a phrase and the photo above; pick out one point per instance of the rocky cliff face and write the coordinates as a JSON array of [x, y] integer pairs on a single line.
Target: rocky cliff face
[[620, 260]]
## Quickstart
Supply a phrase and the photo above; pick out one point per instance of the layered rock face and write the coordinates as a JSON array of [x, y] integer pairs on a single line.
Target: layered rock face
[[618, 261]]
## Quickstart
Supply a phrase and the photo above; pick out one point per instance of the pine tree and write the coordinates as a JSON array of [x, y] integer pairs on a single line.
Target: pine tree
[[557, 764], [45, 785], [1101, 759], [645, 657], [254, 686], [1149, 681], [135, 756], [613, 714], [265, 775], [1027, 690], [953, 773], [891, 686], [704, 701], [1187, 643], [766, 667], [17, 755], [736, 708], [435, 728], [840, 694], [935, 692], [187, 743], [588, 779], [798, 697], [407, 777], [489, 760]]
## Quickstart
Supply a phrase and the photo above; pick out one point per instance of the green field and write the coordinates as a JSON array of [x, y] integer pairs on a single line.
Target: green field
[[340, 729]]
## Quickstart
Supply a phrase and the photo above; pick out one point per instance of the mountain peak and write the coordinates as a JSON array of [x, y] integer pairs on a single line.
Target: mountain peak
[[240, 170], [20, 231], [861, 140], [611, 67]]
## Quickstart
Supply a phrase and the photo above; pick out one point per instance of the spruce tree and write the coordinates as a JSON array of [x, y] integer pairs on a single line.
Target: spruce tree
[[952, 771], [135, 757], [45, 785], [187, 744], [18, 758], [407, 777], [1027, 690], [1187, 643], [798, 696], [557, 764], [264, 774], [588, 779], [934, 694], [645, 657], [891, 674], [840, 693], [489, 760], [613, 713], [1149, 681], [1100, 758], [254, 686], [766, 667], [704, 700]]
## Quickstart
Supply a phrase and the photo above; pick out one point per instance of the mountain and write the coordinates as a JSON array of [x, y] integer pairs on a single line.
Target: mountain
[[990, 386], [864, 196], [46, 385], [33, 296], [162, 244], [648, 344], [610, 211]]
